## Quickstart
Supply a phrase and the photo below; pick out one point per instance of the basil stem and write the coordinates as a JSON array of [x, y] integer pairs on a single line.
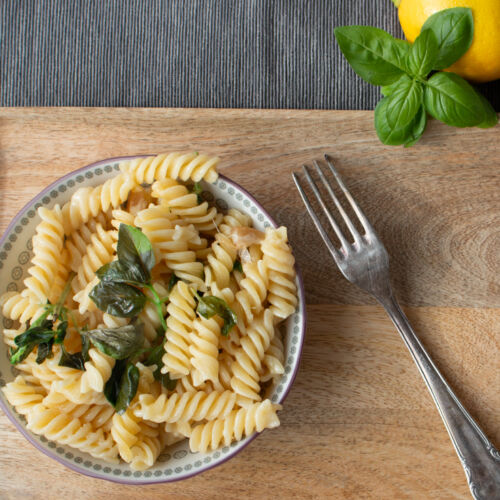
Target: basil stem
[[157, 301]]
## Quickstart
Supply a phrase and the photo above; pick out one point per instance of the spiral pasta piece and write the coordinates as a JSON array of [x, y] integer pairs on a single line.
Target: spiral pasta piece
[[88, 202], [181, 314], [61, 277], [9, 334], [250, 299], [225, 370], [234, 218], [77, 242], [184, 205], [146, 450], [279, 260], [233, 427], [98, 415], [97, 253], [97, 371], [249, 357], [195, 406], [122, 217], [57, 400], [204, 350], [47, 372], [85, 304], [184, 166], [71, 388], [274, 359], [124, 429], [221, 260], [21, 396], [65, 429], [47, 246], [169, 243], [18, 306]]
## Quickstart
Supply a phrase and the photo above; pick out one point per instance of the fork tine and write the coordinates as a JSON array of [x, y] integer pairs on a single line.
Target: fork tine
[[347, 219], [331, 247], [343, 241], [362, 217]]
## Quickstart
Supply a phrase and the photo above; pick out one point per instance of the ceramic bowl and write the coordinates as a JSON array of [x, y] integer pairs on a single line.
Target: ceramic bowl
[[177, 462]]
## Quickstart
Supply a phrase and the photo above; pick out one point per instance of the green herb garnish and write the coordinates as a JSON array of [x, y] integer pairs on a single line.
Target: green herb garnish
[[43, 332], [121, 386], [121, 289], [237, 266], [119, 343], [209, 306], [410, 77]]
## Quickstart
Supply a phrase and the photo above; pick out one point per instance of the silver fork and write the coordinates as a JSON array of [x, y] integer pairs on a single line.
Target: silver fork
[[366, 264]]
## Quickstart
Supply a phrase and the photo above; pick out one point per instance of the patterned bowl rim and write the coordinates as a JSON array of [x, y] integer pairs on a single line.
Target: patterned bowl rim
[[7, 410]]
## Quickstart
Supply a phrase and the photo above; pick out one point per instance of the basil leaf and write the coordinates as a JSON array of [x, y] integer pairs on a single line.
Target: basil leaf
[[112, 386], [454, 30], [117, 272], [35, 335], [404, 102], [128, 387], [422, 54], [393, 136], [76, 360], [373, 54], [209, 306], [118, 299], [19, 355], [165, 380], [119, 343], [155, 355], [388, 90], [44, 351], [237, 266], [417, 127], [450, 99], [491, 117], [135, 249]]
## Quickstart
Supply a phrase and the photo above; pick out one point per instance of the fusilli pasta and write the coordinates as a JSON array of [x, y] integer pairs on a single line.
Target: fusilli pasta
[[198, 295]]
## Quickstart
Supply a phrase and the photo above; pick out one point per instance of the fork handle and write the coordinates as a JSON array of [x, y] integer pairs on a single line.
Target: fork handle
[[479, 458]]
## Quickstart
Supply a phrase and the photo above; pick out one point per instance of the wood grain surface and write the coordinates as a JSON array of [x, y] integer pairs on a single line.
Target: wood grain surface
[[359, 422]]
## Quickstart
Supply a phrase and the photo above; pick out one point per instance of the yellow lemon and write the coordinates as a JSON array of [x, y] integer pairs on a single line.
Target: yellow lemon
[[481, 63]]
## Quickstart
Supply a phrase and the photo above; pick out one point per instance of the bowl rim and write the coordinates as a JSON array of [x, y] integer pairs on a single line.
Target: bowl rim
[[76, 468]]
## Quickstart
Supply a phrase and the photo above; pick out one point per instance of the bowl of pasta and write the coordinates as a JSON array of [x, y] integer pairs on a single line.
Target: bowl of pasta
[[152, 318]]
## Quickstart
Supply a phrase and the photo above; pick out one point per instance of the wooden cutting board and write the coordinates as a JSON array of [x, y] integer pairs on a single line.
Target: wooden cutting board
[[359, 422]]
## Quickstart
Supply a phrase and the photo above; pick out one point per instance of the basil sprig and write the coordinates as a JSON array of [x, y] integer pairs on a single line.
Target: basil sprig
[[209, 306], [43, 332], [403, 72], [120, 291]]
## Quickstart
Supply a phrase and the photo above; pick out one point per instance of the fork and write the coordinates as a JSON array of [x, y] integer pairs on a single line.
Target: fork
[[365, 263]]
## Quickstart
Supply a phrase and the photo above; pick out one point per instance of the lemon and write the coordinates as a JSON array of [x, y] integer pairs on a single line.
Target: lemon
[[481, 63]]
